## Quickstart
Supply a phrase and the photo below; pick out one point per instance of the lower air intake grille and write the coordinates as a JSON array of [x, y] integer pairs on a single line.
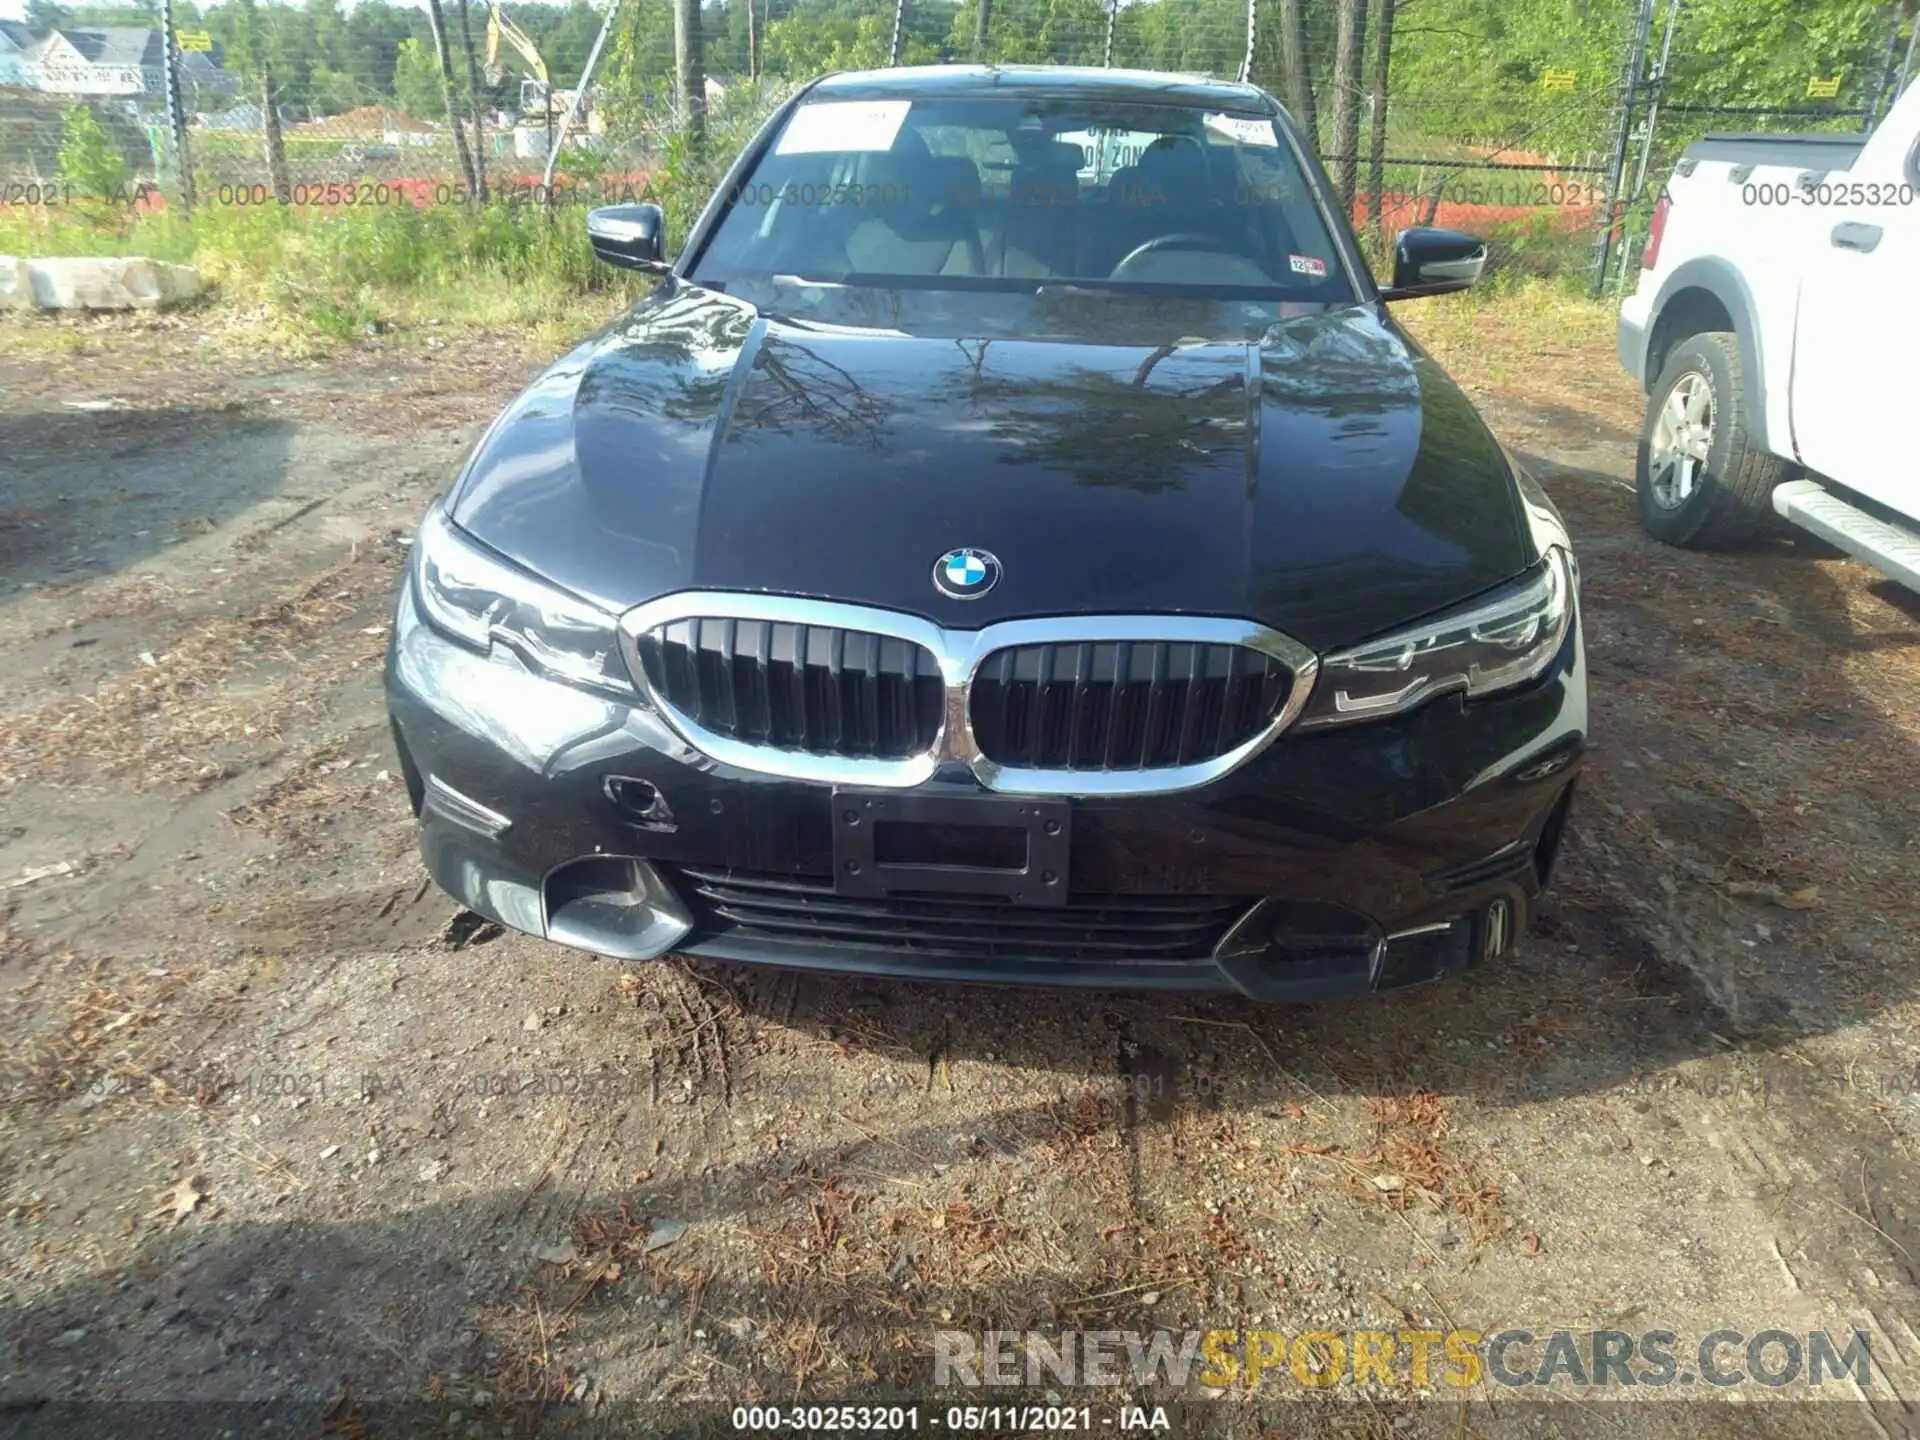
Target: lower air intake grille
[[1143, 705], [814, 688], [1121, 929]]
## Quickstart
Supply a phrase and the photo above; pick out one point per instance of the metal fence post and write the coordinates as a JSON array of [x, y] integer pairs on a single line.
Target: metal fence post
[[1882, 78], [176, 115], [1656, 88], [1622, 134]]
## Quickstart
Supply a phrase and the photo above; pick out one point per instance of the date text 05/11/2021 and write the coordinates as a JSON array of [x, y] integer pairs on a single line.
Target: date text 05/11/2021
[[952, 1419]]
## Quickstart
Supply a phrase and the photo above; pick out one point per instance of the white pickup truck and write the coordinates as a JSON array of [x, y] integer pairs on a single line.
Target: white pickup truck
[[1776, 332]]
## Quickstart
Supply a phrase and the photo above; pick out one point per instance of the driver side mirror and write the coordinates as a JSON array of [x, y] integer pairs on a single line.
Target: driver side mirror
[[634, 237], [1429, 261]]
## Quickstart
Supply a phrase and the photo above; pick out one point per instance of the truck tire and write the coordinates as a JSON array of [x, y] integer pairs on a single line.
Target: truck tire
[[1705, 480]]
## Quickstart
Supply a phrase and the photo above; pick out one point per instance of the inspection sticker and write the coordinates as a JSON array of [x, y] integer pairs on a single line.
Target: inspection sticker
[[837, 125], [1247, 132], [1307, 265]]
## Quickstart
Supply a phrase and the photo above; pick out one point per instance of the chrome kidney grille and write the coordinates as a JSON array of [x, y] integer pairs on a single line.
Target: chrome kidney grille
[[1123, 705], [851, 695], [817, 689]]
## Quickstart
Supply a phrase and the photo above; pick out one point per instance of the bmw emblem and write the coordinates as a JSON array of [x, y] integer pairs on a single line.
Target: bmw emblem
[[966, 574]]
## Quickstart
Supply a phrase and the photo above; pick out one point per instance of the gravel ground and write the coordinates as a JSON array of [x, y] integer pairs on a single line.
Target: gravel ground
[[281, 1126]]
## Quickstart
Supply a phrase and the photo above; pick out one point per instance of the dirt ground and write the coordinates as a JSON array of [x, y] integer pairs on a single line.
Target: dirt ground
[[281, 1126]]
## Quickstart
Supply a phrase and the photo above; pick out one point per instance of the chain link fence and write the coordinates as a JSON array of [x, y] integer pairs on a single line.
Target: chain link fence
[[1546, 125], [1695, 69]]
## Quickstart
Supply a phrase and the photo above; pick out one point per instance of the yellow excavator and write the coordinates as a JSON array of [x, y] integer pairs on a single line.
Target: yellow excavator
[[500, 27]]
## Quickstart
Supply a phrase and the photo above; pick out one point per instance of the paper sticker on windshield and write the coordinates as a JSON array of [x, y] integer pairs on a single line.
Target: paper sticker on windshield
[[838, 125], [1307, 265], [1247, 132]]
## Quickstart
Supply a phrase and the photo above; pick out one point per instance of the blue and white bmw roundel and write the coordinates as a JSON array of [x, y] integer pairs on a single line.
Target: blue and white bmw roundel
[[966, 574]]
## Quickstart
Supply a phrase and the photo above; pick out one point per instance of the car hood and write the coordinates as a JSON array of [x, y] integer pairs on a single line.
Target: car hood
[[1320, 474]]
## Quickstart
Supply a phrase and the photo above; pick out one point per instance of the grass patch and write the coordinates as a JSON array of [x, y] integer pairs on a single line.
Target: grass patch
[[335, 272], [336, 275], [1532, 339]]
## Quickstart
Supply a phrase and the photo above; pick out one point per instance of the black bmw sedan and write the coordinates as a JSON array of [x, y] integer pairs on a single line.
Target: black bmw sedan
[[1013, 541]]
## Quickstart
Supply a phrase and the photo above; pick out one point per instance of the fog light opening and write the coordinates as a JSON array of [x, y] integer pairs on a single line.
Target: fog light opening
[[1317, 932]]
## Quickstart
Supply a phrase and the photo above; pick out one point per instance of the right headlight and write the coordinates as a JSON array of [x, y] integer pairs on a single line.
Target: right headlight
[[475, 596], [1496, 642]]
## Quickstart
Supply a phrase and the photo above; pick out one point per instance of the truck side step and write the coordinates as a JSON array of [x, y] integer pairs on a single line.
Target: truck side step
[[1891, 550]]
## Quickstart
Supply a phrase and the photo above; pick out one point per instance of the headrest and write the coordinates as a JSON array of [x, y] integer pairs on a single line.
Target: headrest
[[910, 144], [909, 164], [955, 181], [1177, 167], [1057, 154], [1173, 154]]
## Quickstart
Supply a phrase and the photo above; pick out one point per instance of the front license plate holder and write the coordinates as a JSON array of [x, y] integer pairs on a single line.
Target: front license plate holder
[[1047, 826]]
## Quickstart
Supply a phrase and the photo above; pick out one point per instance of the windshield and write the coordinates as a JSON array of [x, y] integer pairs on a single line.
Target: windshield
[[1019, 192]]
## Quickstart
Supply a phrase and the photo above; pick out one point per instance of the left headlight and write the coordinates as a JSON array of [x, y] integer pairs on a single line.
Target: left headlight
[[474, 596], [1494, 643]]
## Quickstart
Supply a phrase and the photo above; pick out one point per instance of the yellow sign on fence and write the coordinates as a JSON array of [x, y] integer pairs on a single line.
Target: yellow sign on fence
[[1558, 79], [194, 40], [1818, 89]]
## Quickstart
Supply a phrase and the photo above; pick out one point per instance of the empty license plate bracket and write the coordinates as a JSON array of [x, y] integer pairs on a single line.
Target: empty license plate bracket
[[925, 824]]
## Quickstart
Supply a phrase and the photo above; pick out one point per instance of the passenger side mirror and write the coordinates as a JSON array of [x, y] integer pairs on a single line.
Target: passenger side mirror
[[1428, 261], [634, 237]]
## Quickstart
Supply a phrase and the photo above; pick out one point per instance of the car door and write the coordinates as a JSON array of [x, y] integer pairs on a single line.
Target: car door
[[1858, 322]]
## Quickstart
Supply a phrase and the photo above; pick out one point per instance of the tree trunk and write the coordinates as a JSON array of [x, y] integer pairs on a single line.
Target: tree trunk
[[476, 104], [981, 19], [1349, 41], [437, 22], [1377, 134], [690, 71], [276, 148], [1298, 77], [753, 53]]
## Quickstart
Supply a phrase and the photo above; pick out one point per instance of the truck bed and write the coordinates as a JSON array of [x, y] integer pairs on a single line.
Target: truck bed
[[1801, 152]]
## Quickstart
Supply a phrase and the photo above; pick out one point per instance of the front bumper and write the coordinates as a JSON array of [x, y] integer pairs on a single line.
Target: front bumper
[[1332, 863], [1630, 339]]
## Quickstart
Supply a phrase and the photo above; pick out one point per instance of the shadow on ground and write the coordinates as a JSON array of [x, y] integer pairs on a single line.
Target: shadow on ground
[[88, 493]]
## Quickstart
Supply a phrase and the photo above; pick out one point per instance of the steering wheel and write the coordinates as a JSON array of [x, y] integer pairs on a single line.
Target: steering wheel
[[1184, 240]]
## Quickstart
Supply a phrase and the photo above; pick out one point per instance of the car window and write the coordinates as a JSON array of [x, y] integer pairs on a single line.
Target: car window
[[1016, 192]]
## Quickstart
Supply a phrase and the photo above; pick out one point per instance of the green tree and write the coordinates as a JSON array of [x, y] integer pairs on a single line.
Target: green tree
[[638, 68], [1763, 52], [45, 15], [416, 81], [846, 35], [89, 161], [241, 37], [371, 45]]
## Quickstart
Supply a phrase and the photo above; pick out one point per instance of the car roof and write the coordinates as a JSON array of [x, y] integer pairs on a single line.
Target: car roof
[[1077, 82]]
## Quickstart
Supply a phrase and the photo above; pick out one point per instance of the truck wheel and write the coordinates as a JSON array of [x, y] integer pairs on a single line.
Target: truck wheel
[[1704, 479]]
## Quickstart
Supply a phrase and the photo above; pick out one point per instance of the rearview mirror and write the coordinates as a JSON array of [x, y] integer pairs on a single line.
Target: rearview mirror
[[1428, 261], [634, 237]]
